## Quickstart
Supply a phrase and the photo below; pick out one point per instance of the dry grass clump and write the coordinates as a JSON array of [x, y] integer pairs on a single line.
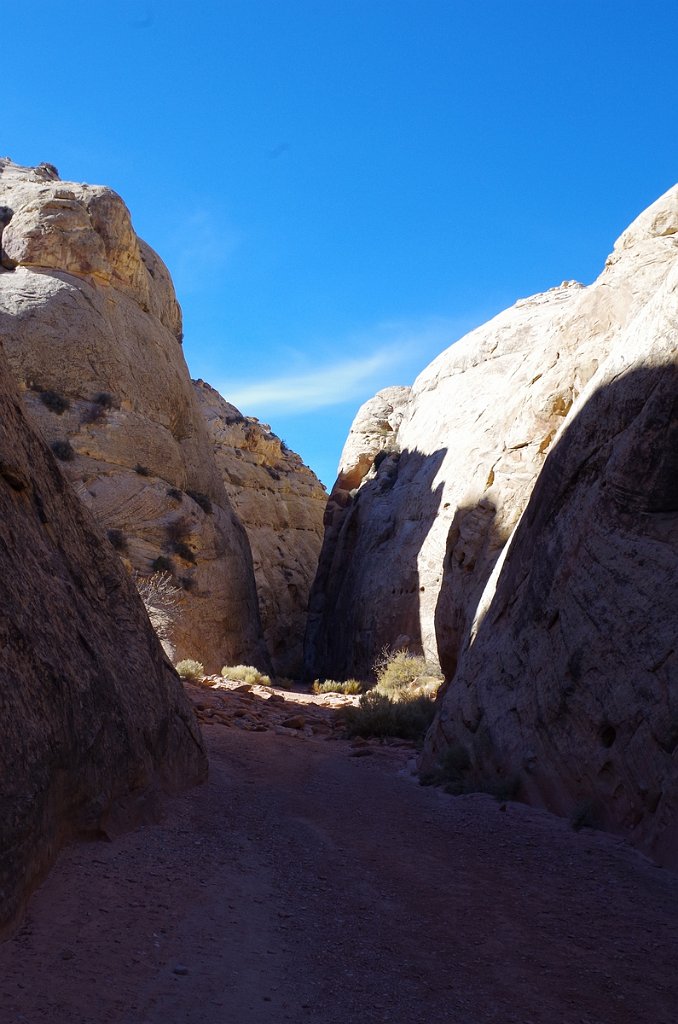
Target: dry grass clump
[[351, 686], [400, 673], [190, 669], [245, 674], [379, 715]]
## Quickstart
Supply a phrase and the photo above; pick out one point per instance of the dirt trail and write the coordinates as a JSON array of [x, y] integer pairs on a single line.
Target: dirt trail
[[304, 883]]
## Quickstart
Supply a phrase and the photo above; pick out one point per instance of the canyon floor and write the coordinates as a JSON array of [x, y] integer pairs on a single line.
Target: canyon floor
[[311, 880]]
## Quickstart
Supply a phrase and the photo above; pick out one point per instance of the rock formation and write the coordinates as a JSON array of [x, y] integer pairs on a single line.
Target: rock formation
[[94, 720], [413, 534], [92, 330], [555, 428], [281, 503]]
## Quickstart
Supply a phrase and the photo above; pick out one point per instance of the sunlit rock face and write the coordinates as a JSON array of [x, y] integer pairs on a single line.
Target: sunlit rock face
[[94, 721], [434, 479], [523, 531], [92, 330], [281, 503]]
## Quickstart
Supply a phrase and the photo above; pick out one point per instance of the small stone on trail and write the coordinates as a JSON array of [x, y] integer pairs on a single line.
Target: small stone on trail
[[180, 969], [295, 722], [361, 752]]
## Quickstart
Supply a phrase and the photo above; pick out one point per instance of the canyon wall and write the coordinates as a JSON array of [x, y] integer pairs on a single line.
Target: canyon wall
[[94, 721], [92, 330], [417, 521], [280, 502], [522, 528]]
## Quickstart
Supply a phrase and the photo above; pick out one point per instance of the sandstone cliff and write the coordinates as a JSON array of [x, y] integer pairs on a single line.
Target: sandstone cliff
[[93, 719], [92, 330], [559, 646], [406, 555], [567, 685], [281, 503]]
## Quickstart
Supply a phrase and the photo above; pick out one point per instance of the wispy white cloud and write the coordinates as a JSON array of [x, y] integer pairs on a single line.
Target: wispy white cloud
[[335, 383], [389, 353]]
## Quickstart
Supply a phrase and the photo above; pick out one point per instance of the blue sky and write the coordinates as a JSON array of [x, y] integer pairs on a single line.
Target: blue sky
[[341, 188]]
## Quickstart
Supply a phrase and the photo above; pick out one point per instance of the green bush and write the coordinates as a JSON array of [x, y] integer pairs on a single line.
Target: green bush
[[401, 672], [201, 499], [245, 674], [117, 539], [182, 549], [162, 564], [379, 715], [191, 670], [142, 470], [55, 402], [63, 450], [351, 686]]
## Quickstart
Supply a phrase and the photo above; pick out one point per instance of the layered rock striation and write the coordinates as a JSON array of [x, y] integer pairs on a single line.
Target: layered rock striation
[[523, 529], [280, 503], [92, 330], [94, 722]]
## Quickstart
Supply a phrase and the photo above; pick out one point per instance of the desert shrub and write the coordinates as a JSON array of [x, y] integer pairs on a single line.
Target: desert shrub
[[161, 597], [450, 771], [187, 583], [55, 402], [175, 493], [117, 539], [182, 549], [63, 450], [400, 672], [201, 499], [92, 413], [162, 564], [454, 773], [284, 683], [105, 400], [245, 674], [331, 686], [142, 470], [191, 670], [379, 715], [178, 529]]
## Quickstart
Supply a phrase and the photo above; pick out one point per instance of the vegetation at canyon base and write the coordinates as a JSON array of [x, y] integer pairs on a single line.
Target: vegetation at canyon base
[[245, 674], [190, 669], [401, 704]]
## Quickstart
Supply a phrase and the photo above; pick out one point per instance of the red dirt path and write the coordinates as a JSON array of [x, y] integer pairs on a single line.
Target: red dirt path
[[306, 884]]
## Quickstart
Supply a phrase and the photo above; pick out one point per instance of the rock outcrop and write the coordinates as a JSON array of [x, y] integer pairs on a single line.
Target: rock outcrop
[[92, 330], [280, 502], [555, 428], [94, 721], [407, 554]]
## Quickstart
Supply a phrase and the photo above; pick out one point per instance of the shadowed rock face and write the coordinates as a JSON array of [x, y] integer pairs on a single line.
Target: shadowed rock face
[[568, 683], [92, 331], [280, 503], [93, 721]]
